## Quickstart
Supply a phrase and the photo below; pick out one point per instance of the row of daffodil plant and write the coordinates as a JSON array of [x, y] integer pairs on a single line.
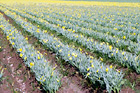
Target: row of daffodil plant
[[115, 41], [92, 68], [115, 31], [44, 73], [125, 58], [82, 26], [96, 13]]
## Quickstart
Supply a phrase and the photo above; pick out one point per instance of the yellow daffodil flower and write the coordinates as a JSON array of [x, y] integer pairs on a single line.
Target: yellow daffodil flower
[[106, 70], [31, 64]]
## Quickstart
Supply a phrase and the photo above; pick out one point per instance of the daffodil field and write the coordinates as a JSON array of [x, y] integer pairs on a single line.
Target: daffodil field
[[34, 59], [101, 28]]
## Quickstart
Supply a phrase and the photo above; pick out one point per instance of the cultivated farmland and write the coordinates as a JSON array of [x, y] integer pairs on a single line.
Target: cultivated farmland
[[69, 47]]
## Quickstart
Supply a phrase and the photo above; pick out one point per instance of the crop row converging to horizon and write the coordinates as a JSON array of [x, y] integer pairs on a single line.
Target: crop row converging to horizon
[[109, 32]]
